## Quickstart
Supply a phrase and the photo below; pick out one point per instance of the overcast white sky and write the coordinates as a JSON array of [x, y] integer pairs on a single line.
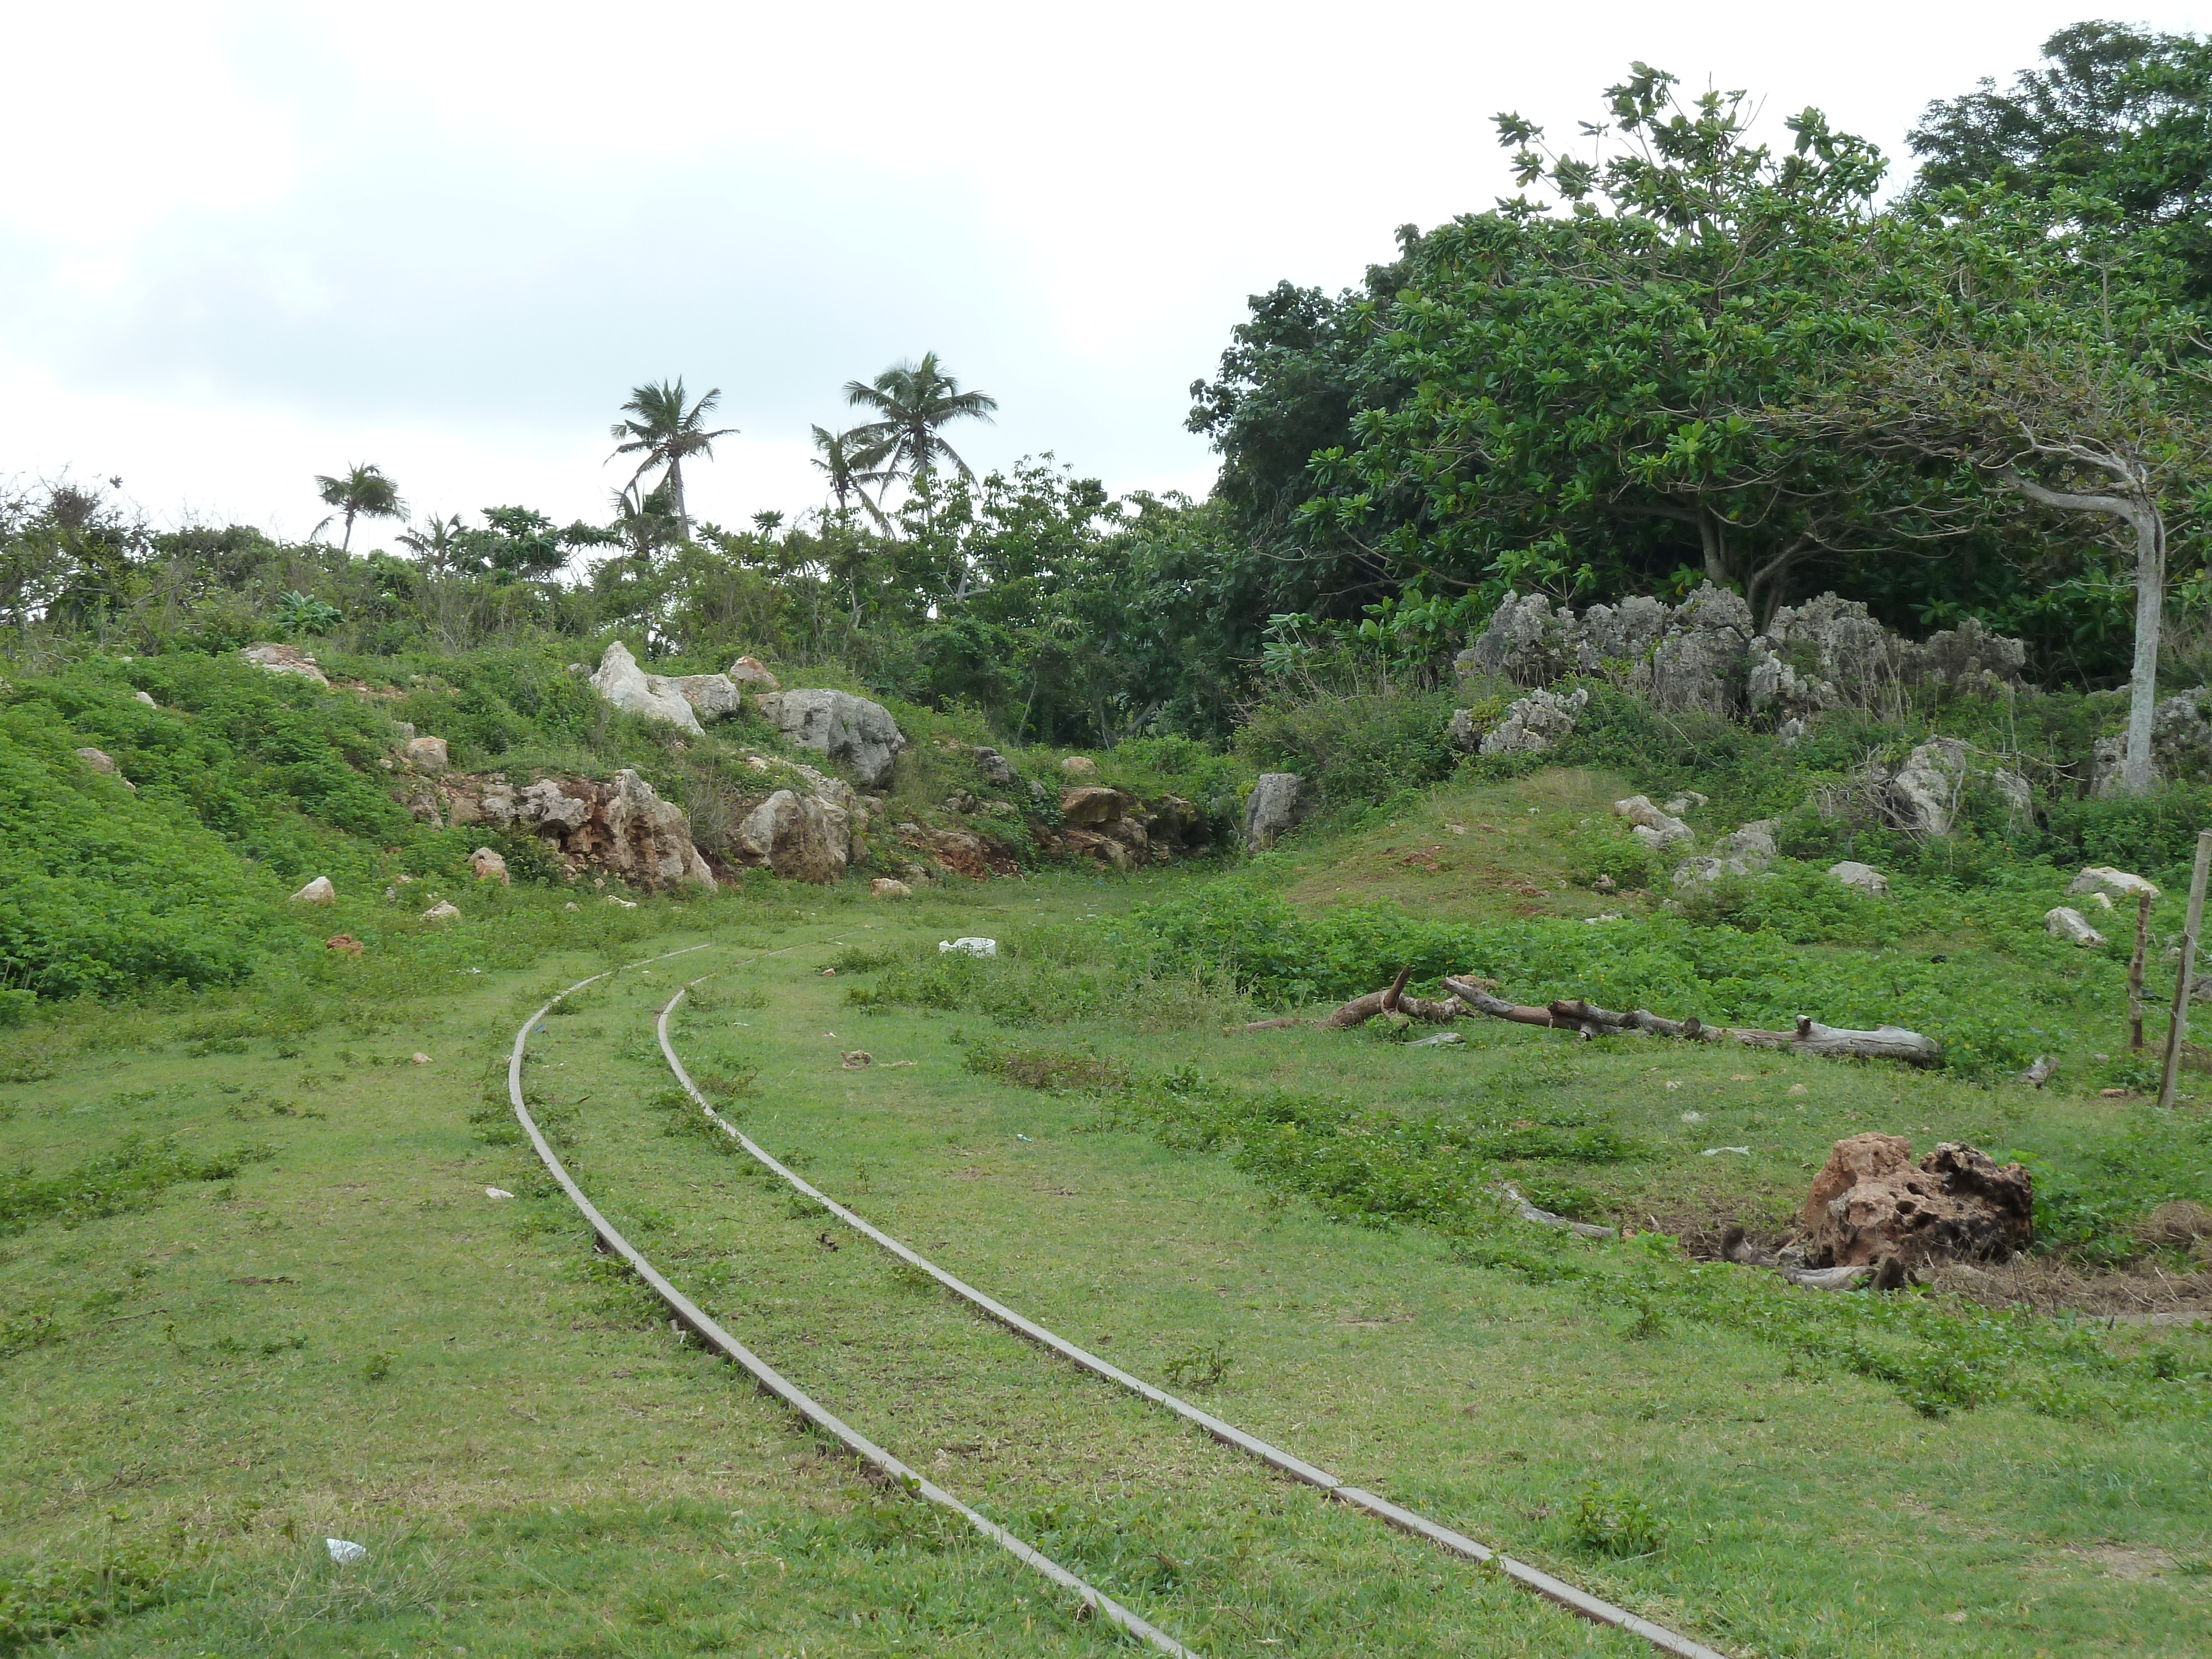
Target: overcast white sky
[[242, 244]]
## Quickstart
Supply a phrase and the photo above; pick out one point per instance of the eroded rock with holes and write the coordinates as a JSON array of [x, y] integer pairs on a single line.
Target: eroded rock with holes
[[753, 674], [1870, 1201], [620, 827], [1535, 724], [427, 754], [489, 866], [1463, 733], [799, 837], [851, 731]]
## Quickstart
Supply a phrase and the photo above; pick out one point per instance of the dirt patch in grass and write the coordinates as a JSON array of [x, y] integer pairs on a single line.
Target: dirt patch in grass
[[2049, 1288], [1049, 1070]]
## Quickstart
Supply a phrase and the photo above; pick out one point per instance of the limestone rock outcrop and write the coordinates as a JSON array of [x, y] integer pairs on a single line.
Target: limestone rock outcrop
[[279, 658], [621, 682], [1870, 1201], [753, 674], [851, 731], [1744, 851], [712, 697], [1277, 803], [1535, 724], [1649, 824], [799, 837], [427, 754], [2064, 921], [620, 827], [1863, 877], [1924, 795], [2113, 884]]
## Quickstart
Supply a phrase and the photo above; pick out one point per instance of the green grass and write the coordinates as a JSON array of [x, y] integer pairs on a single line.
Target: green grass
[[541, 1466]]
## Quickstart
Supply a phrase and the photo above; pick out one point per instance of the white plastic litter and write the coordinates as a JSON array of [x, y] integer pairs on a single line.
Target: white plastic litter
[[1693, 1117], [973, 947], [1021, 1137], [344, 1553], [497, 1192], [1715, 1151]]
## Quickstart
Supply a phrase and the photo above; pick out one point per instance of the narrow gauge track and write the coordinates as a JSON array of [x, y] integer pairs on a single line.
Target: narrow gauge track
[[1535, 1579], [694, 1318]]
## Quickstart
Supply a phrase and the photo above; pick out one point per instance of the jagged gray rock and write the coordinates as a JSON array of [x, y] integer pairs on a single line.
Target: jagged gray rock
[[1863, 877], [995, 767], [1277, 803], [2103, 878], [630, 688], [799, 837], [1745, 851], [2181, 736], [1922, 795], [279, 658], [851, 731], [1461, 732], [712, 697], [1535, 724], [2063, 921], [1654, 828]]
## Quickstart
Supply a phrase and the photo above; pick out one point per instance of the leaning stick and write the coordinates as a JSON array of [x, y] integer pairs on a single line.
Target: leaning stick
[[2180, 1023], [2134, 973]]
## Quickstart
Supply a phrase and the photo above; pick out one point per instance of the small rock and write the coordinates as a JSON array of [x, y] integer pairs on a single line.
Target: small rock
[[489, 866], [427, 755], [1863, 877], [100, 761], [973, 947], [2063, 921], [573, 908], [146, 697], [497, 1192], [2102, 901], [997, 769], [1442, 1039], [443, 910], [752, 671], [318, 891], [1693, 1117], [1659, 829], [2103, 878], [344, 944], [344, 1551], [1799, 1089], [857, 1059], [284, 660], [418, 1058], [885, 887], [1688, 800], [1081, 767], [625, 903]]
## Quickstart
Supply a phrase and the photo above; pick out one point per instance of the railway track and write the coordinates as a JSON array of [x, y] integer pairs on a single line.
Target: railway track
[[688, 1315], [1543, 1584]]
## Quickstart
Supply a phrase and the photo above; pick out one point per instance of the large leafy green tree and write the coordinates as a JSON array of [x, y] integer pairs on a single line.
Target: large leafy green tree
[[360, 492], [663, 430], [911, 402], [2114, 131]]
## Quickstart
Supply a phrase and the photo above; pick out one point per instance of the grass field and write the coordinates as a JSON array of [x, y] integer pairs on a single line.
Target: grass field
[[294, 1313]]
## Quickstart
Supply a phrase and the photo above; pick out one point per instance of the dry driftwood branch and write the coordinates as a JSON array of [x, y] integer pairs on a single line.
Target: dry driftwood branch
[[1810, 1036], [1545, 1219], [2040, 1073]]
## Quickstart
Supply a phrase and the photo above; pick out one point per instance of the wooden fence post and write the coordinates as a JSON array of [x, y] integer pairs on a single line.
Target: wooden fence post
[[2187, 971]]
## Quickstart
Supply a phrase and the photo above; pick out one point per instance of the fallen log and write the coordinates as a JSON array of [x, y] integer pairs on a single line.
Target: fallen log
[[1392, 1000], [1808, 1037]]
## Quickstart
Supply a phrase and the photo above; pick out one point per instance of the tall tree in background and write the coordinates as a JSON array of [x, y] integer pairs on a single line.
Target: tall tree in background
[[838, 457], [2114, 130], [911, 401], [362, 493], [665, 433]]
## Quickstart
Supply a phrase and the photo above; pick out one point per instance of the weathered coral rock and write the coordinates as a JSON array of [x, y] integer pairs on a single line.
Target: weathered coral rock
[[1864, 877], [1535, 724], [102, 762], [799, 837], [851, 731], [2067, 923], [621, 827], [284, 660], [997, 770], [1745, 851], [1093, 805], [885, 887], [1659, 828], [1277, 803], [443, 910], [712, 697], [1081, 767], [427, 754], [1706, 641], [753, 673], [2116, 884], [318, 891], [1463, 733], [489, 866], [1870, 1201], [652, 696]]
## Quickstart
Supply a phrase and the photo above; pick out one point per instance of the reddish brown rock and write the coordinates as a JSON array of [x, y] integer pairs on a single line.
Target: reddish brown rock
[[1092, 805], [344, 943], [1870, 1201]]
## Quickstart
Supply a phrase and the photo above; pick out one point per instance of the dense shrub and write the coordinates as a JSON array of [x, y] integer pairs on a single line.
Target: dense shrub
[[1354, 747]]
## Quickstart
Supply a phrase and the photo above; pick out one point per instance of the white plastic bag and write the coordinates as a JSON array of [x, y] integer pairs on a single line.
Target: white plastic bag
[[973, 947], [344, 1553]]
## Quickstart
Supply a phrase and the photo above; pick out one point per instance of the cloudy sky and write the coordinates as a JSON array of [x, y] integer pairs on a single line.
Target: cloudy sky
[[243, 244]]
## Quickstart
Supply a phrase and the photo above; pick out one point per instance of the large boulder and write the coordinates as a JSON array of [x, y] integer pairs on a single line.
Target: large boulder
[[1871, 1200], [648, 840], [798, 837], [1862, 877], [1277, 803], [851, 731], [2113, 884], [712, 697], [752, 672], [1653, 827], [619, 828], [279, 658], [2065, 922], [1700, 655], [427, 754], [1535, 724], [652, 696], [1924, 795], [1092, 805]]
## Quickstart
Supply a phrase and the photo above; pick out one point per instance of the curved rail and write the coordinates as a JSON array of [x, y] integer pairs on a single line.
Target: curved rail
[[1535, 1579], [694, 1318]]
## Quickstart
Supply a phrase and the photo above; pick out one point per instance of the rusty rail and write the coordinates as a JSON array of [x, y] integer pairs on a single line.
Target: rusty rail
[[697, 1320], [1535, 1579]]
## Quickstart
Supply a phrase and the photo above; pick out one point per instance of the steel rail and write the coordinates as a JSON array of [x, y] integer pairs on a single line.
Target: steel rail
[[697, 1320], [1535, 1579]]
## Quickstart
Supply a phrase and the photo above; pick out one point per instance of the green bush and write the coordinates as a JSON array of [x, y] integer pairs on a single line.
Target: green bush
[[1354, 748]]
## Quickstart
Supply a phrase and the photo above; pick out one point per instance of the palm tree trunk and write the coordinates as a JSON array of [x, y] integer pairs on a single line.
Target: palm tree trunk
[[345, 542], [676, 488]]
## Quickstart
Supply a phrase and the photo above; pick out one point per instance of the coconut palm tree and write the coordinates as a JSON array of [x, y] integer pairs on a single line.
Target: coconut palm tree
[[643, 521], [911, 401], [666, 435], [840, 460], [363, 493], [436, 542]]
